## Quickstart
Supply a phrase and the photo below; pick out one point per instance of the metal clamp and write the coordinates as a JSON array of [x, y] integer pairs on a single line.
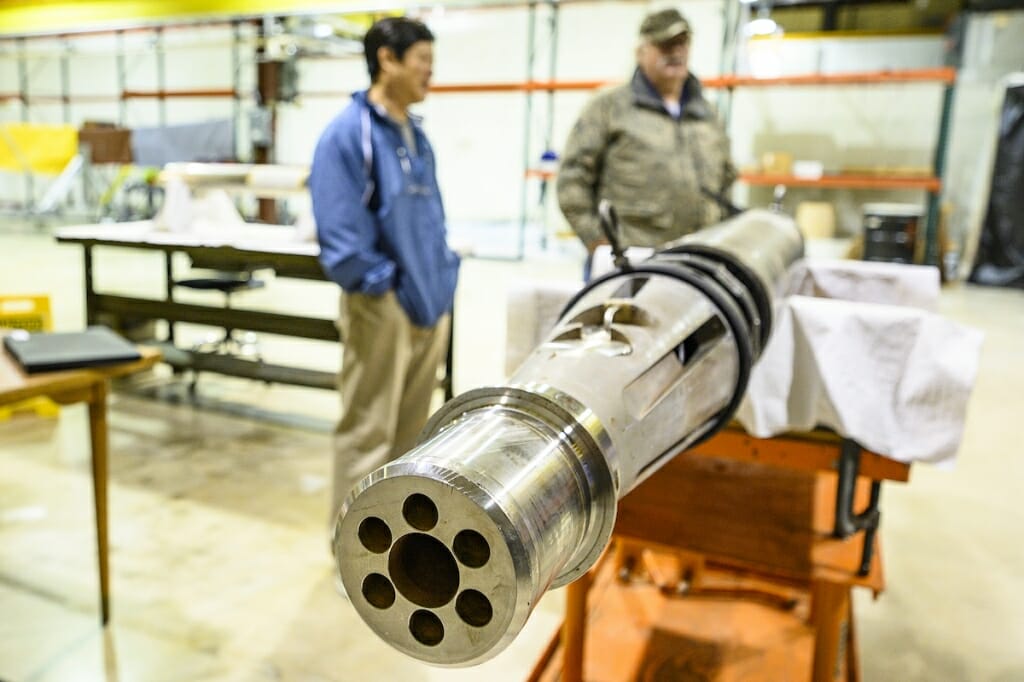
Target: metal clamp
[[848, 521]]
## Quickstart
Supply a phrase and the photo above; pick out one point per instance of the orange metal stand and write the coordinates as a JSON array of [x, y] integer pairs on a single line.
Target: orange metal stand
[[724, 566]]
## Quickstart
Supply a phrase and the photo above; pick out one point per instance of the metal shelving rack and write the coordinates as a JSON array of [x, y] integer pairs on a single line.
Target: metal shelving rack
[[124, 94], [932, 184], [545, 27]]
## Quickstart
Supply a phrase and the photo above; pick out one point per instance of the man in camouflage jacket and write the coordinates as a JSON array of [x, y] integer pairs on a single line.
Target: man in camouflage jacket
[[654, 148]]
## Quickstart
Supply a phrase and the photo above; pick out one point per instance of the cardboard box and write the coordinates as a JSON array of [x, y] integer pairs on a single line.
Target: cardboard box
[[776, 163], [107, 143]]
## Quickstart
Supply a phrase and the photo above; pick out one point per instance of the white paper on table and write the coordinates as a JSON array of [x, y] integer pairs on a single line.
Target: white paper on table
[[214, 212], [185, 213], [305, 226], [176, 213]]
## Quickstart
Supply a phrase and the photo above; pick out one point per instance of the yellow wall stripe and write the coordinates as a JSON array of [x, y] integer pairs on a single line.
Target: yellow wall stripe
[[24, 17]]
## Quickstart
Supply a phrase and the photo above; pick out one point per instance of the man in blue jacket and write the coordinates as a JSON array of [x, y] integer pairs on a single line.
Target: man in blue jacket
[[381, 227]]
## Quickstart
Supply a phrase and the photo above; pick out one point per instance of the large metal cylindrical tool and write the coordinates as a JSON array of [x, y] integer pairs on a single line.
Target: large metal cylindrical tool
[[512, 490]]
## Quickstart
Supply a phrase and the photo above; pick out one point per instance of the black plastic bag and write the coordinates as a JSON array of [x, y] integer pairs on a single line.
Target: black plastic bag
[[1000, 257]]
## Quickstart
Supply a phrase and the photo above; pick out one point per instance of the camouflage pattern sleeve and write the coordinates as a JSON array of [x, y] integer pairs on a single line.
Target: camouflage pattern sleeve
[[729, 172], [580, 171]]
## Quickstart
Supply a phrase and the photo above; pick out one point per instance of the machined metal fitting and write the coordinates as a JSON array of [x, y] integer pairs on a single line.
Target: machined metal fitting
[[512, 490]]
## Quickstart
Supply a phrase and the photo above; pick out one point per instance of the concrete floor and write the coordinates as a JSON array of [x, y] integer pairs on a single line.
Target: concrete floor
[[219, 546]]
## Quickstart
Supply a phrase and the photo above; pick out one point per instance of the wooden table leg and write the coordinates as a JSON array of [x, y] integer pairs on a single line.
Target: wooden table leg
[[574, 628], [98, 439], [830, 608]]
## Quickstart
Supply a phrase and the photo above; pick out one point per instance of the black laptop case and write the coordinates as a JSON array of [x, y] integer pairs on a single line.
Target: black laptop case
[[49, 351]]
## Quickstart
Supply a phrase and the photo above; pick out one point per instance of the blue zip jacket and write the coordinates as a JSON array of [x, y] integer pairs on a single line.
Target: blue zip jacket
[[401, 244]]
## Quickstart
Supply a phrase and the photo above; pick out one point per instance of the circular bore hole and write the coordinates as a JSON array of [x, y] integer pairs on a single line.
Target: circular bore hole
[[379, 591], [420, 511], [426, 628], [474, 608], [471, 548], [375, 535], [424, 570]]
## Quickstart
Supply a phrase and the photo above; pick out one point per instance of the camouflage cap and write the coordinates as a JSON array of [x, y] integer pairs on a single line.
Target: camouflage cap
[[664, 25]]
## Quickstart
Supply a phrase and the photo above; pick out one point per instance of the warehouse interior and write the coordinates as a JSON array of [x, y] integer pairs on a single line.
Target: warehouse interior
[[155, 178]]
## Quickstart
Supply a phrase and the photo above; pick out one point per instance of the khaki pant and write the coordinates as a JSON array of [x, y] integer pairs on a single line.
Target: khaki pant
[[388, 376]]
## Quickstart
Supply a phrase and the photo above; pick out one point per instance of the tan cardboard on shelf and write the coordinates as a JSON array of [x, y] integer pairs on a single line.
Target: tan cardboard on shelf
[[107, 142], [816, 219], [776, 163], [888, 171]]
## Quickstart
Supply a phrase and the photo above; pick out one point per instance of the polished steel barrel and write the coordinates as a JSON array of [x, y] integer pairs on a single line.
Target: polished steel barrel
[[512, 490]]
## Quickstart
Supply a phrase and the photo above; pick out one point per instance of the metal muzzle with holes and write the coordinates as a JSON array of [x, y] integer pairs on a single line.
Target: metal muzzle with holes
[[513, 490]]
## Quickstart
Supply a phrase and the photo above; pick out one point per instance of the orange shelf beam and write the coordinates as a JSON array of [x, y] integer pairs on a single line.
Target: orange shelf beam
[[463, 88], [941, 75], [71, 99], [541, 174], [846, 181], [527, 86], [172, 94]]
